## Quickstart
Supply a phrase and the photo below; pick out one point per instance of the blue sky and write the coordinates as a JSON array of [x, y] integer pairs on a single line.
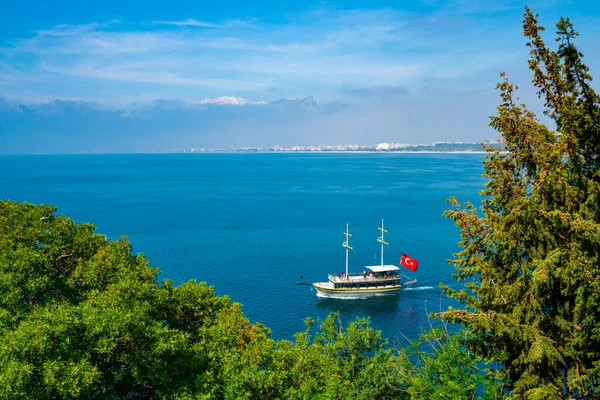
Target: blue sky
[[423, 57], [115, 52]]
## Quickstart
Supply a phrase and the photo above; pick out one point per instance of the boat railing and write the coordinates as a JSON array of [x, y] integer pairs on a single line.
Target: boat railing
[[362, 278]]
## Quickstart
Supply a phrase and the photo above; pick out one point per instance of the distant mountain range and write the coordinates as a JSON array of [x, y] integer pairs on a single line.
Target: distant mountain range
[[77, 126], [227, 100], [63, 107]]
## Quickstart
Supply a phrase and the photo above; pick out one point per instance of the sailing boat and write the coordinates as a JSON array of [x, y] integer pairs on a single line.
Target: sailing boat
[[376, 280]]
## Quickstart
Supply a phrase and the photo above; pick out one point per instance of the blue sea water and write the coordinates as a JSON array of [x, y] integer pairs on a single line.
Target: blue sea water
[[252, 225]]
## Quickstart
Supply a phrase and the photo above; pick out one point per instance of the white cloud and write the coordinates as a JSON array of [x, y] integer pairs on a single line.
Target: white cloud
[[190, 22], [328, 47], [321, 51], [72, 30], [135, 73]]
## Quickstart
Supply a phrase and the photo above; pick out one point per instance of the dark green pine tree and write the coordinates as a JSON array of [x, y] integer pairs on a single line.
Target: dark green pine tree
[[530, 254]]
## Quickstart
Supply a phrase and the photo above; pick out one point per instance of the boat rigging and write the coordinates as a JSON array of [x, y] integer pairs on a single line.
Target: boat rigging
[[375, 279]]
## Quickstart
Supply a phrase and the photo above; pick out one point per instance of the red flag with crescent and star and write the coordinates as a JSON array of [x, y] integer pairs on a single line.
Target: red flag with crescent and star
[[409, 262]]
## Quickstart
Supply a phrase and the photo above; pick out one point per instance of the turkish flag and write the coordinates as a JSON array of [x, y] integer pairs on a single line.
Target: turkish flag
[[409, 262]]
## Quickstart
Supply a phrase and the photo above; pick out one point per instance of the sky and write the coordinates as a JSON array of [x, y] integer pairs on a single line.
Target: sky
[[400, 62]]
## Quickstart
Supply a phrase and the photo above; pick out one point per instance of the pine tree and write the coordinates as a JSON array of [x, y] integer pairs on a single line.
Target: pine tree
[[530, 253]]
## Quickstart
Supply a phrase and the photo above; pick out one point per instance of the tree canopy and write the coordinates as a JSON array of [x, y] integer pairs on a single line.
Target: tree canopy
[[530, 254], [81, 316]]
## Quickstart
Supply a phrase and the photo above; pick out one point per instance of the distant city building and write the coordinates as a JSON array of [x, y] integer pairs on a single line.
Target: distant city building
[[437, 147]]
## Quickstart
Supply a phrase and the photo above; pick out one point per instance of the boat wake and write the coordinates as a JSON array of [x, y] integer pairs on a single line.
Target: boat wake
[[420, 288]]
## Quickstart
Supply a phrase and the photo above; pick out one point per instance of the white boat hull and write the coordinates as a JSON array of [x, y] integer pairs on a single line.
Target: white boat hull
[[326, 289]]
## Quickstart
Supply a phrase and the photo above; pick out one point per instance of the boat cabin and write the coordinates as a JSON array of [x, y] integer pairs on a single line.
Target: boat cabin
[[373, 276]]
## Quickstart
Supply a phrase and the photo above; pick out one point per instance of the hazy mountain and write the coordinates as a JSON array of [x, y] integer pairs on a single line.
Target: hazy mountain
[[59, 107], [307, 102], [227, 101], [76, 126]]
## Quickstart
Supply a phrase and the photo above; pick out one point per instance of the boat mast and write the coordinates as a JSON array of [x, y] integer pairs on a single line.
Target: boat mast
[[347, 246], [380, 240]]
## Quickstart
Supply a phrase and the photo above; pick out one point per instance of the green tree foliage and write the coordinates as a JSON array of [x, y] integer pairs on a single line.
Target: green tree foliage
[[339, 364], [81, 316], [438, 366], [530, 255]]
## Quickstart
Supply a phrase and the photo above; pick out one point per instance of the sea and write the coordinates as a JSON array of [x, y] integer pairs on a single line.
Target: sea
[[253, 225]]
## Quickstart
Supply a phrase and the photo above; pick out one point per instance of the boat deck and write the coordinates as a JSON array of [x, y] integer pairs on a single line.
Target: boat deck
[[359, 278]]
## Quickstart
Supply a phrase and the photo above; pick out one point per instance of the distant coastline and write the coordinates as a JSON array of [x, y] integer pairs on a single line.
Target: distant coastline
[[381, 148], [436, 147], [301, 152]]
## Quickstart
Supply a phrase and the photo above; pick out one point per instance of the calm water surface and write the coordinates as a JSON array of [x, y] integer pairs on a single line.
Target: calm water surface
[[252, 225]]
